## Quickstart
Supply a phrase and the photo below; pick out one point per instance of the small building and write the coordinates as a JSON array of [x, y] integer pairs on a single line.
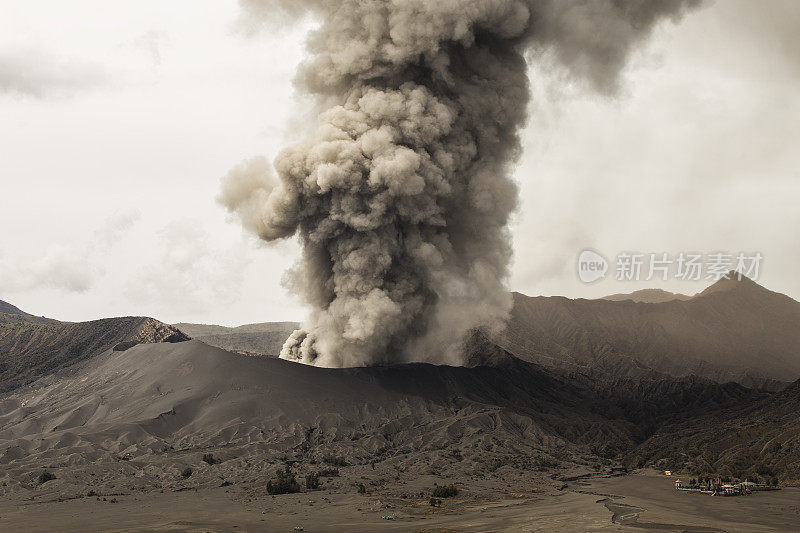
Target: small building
[[748, 487], [730, 490], [678, 484]]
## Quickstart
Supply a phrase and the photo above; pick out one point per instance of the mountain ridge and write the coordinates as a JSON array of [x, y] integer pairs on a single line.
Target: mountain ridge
[[9, 309], [261, 338], [756, 440], [31, 347], [733, 331], [647, 296]]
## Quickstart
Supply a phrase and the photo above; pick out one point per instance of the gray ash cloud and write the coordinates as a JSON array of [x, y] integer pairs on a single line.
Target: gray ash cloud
[[401, 198]]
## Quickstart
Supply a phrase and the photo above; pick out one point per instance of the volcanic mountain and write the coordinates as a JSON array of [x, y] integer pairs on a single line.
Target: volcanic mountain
[[735, 330], [108, 404], [133, 420], [157, 408]]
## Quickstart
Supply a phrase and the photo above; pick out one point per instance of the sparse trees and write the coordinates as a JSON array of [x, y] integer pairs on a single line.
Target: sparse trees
[[283, 483], [335, 460], [209, 458], [445, 491], [45, 476]]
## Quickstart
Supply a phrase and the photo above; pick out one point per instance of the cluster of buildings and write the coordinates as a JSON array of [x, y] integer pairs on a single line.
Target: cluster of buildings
[[727, 489]]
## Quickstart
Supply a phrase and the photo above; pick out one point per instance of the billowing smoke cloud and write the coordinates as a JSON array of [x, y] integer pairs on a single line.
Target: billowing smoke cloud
[[402, 197]]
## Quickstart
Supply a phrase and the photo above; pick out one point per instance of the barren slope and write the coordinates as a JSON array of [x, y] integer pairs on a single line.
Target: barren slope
[[735, 330], [32, 346], [9, 309], [157, 405], [759, 440], [265, 338]]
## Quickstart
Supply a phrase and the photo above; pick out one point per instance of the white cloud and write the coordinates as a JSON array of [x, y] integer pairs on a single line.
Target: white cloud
[[190, 274], [115, 227], [70, 266], [58, 267], [38, 73], [152, 42]]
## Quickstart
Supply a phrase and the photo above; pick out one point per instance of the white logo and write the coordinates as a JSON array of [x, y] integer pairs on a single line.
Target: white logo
[[591, 266]]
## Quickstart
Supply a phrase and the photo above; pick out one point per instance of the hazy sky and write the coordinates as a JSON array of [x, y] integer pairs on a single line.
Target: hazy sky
[[118, 119]]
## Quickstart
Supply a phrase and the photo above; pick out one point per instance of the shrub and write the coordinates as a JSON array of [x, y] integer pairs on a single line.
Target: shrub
[[187, 472], [209, 458], [334, 460], [546, 463], [445, 491], [433, 502], [125, 345], [312, 481], [362, 489], [283, 483], [44, 477]]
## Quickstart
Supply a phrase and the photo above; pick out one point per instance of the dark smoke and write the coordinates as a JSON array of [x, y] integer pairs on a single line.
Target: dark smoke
[[402, 197]]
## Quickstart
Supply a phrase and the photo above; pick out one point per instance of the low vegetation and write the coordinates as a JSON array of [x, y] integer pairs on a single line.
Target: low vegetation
[[445, 491], [283, 483], [335, 460], [546, 463], [312, 481], [209, 458], [45, 476], [186, 472]]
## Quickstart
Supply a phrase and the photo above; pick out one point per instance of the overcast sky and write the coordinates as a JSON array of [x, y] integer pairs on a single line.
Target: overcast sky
[[118, 119]]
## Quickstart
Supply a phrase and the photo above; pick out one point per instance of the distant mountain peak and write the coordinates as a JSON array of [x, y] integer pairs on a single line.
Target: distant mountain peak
[[733, 280], [647, 296]]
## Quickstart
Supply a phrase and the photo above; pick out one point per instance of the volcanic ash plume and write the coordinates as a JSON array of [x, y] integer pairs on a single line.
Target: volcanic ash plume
[[402, 197]]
